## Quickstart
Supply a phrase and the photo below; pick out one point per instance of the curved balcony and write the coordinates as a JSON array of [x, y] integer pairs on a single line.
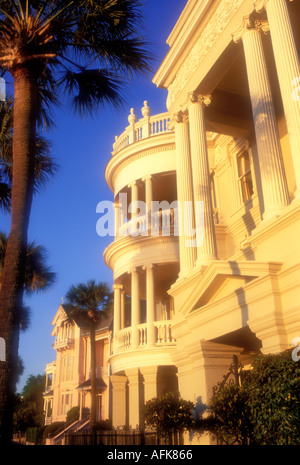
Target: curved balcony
[[148, 126], [159, 223], [162, 336], [146, 147]]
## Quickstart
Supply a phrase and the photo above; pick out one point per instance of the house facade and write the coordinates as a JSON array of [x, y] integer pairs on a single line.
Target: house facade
[[68, 378], [206, 256]]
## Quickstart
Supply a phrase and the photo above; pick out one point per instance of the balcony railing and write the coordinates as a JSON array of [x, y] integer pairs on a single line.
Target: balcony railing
[[64, 343], [148, 126], [163, 336], [160, 223]]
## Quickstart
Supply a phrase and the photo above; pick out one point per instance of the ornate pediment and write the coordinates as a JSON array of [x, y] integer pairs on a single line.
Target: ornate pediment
[[220, 279]]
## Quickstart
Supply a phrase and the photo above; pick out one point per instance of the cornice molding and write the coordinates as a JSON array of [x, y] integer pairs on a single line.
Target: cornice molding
[[213, 30]]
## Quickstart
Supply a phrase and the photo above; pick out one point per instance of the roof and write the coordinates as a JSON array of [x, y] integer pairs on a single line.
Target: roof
[[86, 385]]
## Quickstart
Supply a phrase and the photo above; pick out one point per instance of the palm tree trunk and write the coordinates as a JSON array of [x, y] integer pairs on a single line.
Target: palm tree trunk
[[11, 289], [93, 377]]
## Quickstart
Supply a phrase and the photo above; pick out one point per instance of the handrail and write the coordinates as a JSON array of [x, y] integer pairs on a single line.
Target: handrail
[[148, 126], [162, 222], [163, 335]]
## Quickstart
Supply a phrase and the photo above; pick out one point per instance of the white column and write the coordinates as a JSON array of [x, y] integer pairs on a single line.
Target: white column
[[148, 192], [135, 308], [288, 68], [117, 312], [275, 192], [122, 309], [206, 240], [117, 219], [184, 193], [150, 309], [134, 197]]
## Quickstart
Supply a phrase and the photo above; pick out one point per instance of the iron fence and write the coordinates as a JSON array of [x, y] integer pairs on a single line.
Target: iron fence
[[121, 438]]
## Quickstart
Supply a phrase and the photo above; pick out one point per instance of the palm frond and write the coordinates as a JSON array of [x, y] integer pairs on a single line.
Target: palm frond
[[5, 197], [90, 296], [90, 88], [38, 276]]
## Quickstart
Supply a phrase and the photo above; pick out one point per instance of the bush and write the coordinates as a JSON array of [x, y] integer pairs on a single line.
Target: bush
[[266, 410], [232, 423], [169, 414], [73, 414], [274, 399], [103, 425], [53, 428]]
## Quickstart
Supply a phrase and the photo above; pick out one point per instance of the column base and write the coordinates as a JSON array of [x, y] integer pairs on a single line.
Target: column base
[[296, 198], [204, 262], [273, 214]]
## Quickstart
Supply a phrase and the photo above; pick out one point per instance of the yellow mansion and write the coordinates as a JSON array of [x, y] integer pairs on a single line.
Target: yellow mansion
[[68, 378], [206, 254]]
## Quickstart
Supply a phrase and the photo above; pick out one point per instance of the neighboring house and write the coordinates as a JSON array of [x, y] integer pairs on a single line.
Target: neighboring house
[[68, 382], [227, 150]]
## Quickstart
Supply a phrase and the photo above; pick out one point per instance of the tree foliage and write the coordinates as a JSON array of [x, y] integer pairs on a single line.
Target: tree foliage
[[169, 413], [274, 399], [29, 407], [266, 409], [45, 166]]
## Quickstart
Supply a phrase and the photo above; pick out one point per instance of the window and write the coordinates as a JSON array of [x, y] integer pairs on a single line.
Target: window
[[66, 403], [244, 175], [49, 380], [67, 368]]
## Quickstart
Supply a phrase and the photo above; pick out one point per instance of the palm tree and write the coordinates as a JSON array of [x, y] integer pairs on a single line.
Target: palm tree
[[81, 47], [38, 275], [90, 303], [44, 165]]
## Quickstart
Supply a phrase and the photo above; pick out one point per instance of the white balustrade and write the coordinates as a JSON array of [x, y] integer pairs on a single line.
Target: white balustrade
[[163, 222], [124, 339], [163, 336], [142, 334], [157, 124], [164, 332]]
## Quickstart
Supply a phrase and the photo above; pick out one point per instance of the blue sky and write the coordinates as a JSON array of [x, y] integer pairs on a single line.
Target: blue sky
[[64, 217]]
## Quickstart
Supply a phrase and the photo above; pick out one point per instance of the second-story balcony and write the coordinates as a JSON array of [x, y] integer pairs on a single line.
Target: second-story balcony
[[158, 223], [162, 336], [64, 343]]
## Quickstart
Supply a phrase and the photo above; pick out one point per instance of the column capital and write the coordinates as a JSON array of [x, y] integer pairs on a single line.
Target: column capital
[[149, 177], [179, 117], [260, 5], [132, 270], [204, 100], [250, 24], [149, 266], [117, 286]]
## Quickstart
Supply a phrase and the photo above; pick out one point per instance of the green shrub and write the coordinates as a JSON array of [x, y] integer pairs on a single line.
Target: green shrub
[[103, 425], [229, 409], [73, 414], [266, 409], [274, 399], [169, 414], [53, 428]]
